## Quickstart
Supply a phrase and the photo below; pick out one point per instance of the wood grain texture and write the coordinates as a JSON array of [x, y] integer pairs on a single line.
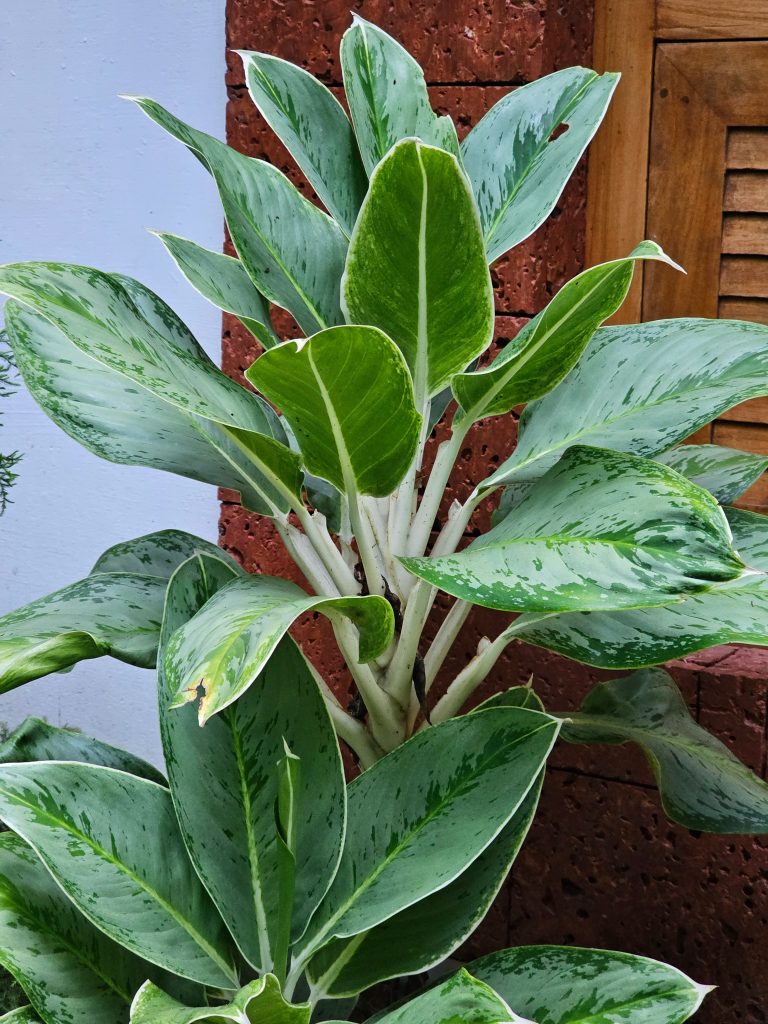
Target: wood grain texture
[[746, 191], [745, 233], [744, 276], [711, 19], [747, 149], [744, 309]]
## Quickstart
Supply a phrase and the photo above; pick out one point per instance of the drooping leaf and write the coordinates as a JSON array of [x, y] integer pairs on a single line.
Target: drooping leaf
[[418, 231], [405, 842], [517, 168], [461, 999], [632, 391], [348, 396], [427, 932], [224, 282], [701, 784], [68, 968], [600, 530], [260, 1001], [549, 346], [515, 697], [224, 782], [101, 831], [21, 1015], [160, 554], [36, 740], [734, 612], [724, 472], [567, 985], [315, 130], [292, 251], [387, 95], [227, 644]]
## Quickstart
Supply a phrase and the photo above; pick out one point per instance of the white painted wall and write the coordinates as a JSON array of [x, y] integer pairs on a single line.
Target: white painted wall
[[82, 175]]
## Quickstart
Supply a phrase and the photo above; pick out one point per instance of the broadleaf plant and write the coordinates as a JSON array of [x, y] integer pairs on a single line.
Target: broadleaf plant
[[253, 882]]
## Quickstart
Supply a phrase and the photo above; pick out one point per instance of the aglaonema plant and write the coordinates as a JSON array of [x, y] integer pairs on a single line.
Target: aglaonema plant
[[254, 885]]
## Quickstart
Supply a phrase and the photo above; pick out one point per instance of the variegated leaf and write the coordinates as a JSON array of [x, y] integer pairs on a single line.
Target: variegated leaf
[[461, 999], [724, 472], [22, 1015], [160, 554], [260, 1001]]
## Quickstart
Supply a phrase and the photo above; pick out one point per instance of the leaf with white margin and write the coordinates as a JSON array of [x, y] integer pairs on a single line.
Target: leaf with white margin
[[548, 347], [517, 169], [725, 472], [260, 1001], [223, 782], [101, 831], [160, 554], [416, 266], [468, 777], [730, 613], [701, 784], [600, 530], [632, 391], [224, 647], [224, 282], [461, 999], [21, 1015], [293, 252], [568, 985], [348, 396], [314, 128], [387, 95]]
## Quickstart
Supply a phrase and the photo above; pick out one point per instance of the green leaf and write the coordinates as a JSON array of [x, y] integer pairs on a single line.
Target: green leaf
[[225, 646], [100, 831], [68, 968], [348, 396], [632, 391], [36, 740], [312, 125], [387, 95], [515, 697], [224, 782], [600, 530], [418, 231], [517, 169], [406, 842], [701, 784], [22, 1015], [160, 554], [734, 612], [292, 251], [427, 932], [724, 472], [224, 282], [567, 985], [461, 999], [121, 389], [548, 347], [260, 1001]]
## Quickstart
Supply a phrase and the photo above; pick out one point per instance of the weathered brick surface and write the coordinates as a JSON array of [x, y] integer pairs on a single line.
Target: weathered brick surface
[[602, 866]]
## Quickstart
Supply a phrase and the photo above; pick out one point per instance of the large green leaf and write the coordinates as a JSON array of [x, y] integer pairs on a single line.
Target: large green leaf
[[293, 252], [428, 931], [516, 166], [387, 95], [734, 612], [633, 391], [69, 969], [549, 345], [113, 844], [314, 128], [567, 985], [224, 282], [600, 530], [348, 396], [224, 783], [22, 1015], [702, 785], [227, 644], [461, 999], [416, 266], [725, 472], [260, 1002], [160, 554], [406, 842], [120, 388], [36, 740]]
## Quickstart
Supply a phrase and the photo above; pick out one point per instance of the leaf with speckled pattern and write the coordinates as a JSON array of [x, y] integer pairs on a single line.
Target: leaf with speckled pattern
[[600, 530], [224, 782], [260, 1002], [567, 985], [160, 554], [423, 814], [224, 647], [461, 999], [725, 472], [101, 831], [348, 396], [22, 1015]]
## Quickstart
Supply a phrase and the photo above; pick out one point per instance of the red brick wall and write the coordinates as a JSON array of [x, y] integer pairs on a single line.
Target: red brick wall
[[602, 866]]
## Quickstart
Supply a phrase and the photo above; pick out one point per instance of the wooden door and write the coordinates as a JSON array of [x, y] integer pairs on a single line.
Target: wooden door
[[683, 160]]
